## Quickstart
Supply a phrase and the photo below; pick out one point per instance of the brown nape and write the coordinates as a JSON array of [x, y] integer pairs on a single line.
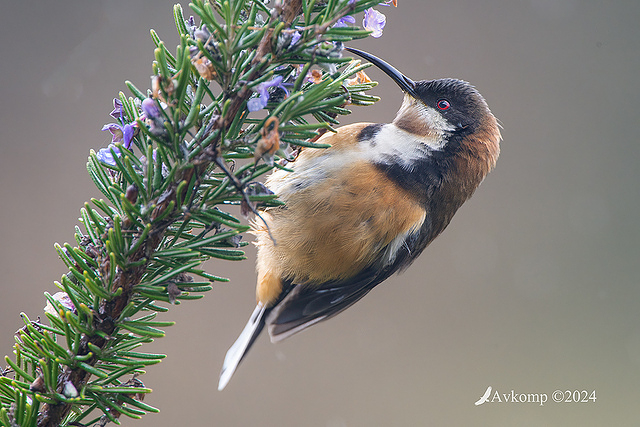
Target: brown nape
[[484, 146]]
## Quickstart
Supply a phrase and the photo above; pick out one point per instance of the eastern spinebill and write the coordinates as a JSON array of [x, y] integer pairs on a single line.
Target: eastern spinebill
[[366, 207]]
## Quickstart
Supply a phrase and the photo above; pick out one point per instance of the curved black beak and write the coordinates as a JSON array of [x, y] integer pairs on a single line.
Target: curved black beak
[[405, 83]]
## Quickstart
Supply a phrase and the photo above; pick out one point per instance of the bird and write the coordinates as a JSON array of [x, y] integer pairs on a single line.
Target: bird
[[367, 206]]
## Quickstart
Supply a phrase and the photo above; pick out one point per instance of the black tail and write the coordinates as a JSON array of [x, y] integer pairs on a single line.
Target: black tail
[[242, 345]]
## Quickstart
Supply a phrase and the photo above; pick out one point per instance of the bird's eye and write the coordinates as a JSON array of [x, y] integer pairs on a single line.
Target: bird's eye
[[443, 104]]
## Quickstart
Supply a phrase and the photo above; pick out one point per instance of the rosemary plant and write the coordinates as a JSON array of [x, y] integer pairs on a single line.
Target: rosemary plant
[[250, 84]]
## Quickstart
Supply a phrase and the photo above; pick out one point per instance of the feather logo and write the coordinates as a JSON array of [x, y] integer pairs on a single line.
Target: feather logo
[[485, 397]]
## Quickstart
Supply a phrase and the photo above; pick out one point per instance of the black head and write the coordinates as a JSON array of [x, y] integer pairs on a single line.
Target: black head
[[439, 106], [459, 103]]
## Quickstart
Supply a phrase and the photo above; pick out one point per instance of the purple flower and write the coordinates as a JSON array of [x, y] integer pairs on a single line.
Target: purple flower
[[105, 155], [120, 133], [202, 34], [153, 113], [118, 111], [345, 21], [260, 102], [295, 38], [123, 133], [374, 21], [151, 110]]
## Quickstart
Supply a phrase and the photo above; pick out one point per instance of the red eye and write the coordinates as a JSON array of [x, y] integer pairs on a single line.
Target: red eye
[[443, 104]]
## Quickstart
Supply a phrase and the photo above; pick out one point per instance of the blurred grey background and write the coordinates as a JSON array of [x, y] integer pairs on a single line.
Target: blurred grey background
[[534, 287]]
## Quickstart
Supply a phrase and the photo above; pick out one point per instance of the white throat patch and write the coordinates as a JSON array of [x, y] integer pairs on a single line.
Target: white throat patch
[[424, 121], [391, 142]]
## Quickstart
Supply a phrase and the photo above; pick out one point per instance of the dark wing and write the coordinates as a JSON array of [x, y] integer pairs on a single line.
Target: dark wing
[[303, 306]]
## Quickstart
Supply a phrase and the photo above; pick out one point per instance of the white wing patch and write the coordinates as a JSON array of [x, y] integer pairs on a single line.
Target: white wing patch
[[391, 251]]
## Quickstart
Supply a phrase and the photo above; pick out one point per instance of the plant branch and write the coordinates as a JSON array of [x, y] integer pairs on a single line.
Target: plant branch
[[165, 181]]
